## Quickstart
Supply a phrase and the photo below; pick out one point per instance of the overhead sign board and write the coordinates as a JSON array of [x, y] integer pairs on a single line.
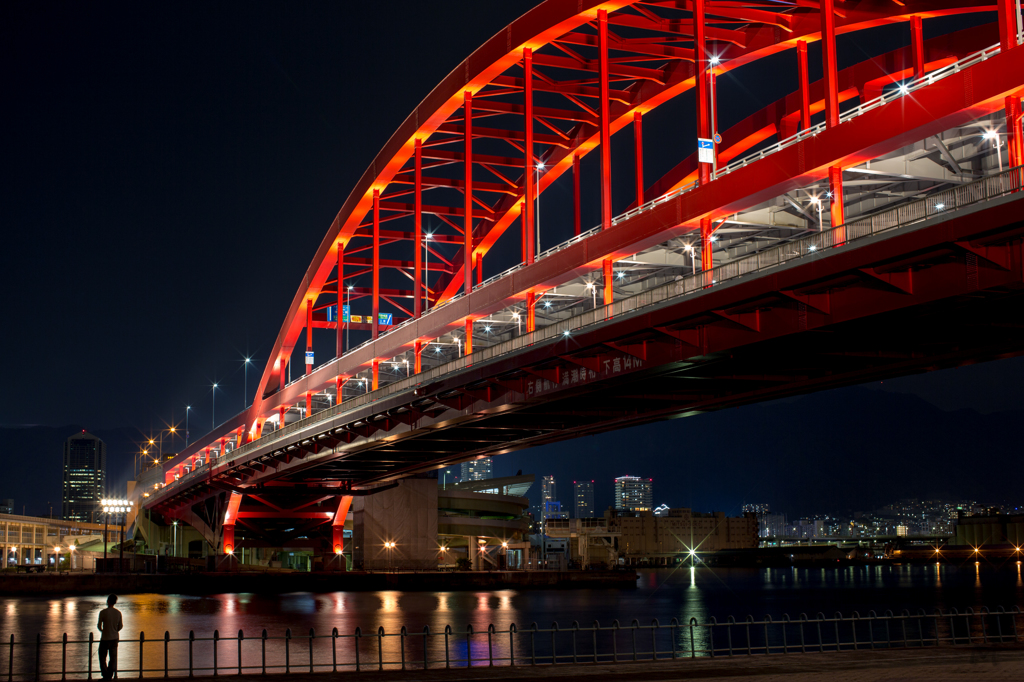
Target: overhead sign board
[[384, 318], [345, 313], [705, 150], [309, 357]]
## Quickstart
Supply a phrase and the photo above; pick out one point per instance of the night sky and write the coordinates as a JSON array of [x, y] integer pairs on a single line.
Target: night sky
[[169, 170]]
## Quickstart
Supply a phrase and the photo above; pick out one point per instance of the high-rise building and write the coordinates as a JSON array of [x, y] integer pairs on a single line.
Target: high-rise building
[[633, 493], [547, 490], [85, 477], [583, 492], [476, 470]]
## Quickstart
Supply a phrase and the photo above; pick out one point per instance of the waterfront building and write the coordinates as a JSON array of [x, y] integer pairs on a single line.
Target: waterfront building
[[548, 493], [623, 537], [7, 506], [477, 470], [583, 494], [30, 540], [85, 477], [633, 493]]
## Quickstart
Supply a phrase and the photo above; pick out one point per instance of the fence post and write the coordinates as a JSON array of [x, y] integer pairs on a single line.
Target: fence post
[[334, 650], [512, 644], [490, 651], [241, 636], [999, 623], [447, 656], [711, 635], [597, 626], [142, 640], [750, 649], [287, 651], [10, 659], [263, 646], [615, 640], [785, 642], [64, 657], [968, 616], [903, 626], [767, 622], [311, 636], [191, 640], [167, 643], [575, 629], [693, 649], [839, 617], [952, 626], [401, 641], [655, 626], [803, 638], [216, 638], [554, 654], [730, 621], [634, 625], [426, 638], [872, 617], [533, 644], [984, 625], [469, 645], [358, 634], [39, 644], [380, 647]]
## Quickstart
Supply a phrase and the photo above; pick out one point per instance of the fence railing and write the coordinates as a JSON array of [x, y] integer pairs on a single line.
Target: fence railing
[[554, 645], [814, 245]]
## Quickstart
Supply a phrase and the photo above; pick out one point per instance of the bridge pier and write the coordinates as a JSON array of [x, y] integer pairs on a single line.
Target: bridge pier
[[405, 516]]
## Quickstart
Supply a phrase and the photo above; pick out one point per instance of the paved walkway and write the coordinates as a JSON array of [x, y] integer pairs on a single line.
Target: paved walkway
[[938, 665]]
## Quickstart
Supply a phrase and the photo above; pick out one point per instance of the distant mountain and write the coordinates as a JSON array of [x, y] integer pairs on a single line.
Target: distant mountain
[[831, 452]]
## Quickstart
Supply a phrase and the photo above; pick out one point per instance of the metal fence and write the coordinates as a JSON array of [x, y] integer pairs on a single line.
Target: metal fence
[[595, 643]]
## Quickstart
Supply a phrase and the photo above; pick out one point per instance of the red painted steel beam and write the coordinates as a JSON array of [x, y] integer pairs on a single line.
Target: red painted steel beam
[[467, 250], [606, 147], [529, 207]]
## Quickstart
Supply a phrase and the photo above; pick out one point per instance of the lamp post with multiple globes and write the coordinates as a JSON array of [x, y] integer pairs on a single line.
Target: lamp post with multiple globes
[[120, 507]]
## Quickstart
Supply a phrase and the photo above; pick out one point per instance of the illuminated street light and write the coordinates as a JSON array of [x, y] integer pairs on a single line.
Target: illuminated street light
[[213, 412], [246, 384], [592, 288], [188, 408], [994, 137]]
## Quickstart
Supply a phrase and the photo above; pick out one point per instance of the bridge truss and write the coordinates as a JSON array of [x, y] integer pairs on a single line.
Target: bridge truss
[[908, 133]]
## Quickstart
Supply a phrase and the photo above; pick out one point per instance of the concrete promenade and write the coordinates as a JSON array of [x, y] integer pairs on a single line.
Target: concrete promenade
[[934, 665]]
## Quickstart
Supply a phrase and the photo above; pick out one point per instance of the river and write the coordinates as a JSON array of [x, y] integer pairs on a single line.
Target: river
[[662, 594]]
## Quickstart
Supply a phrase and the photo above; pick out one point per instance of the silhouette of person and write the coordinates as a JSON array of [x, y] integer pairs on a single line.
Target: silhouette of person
[[110, 625]]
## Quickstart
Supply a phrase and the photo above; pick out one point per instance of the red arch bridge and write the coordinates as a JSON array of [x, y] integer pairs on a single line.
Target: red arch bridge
[[866, 225]]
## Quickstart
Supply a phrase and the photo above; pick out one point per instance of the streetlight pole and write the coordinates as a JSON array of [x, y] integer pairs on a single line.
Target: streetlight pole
[[214, 411], [188, 408], [245, 395], [348, 304], [540, 167], [426, 271]]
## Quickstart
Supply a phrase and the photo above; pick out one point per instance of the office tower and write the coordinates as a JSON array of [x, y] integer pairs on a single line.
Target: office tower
[[583, 492], [85, 477], [547, 490], [633, 493], [476, 470]]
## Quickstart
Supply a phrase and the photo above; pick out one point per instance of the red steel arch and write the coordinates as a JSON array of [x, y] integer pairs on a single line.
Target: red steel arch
[[625, 60]]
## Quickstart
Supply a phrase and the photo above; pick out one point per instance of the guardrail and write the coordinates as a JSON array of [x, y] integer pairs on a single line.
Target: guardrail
[[814, 245], [426, 649]]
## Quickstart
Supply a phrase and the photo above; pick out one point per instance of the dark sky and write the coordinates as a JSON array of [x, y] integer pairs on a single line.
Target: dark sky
[[169, 170]]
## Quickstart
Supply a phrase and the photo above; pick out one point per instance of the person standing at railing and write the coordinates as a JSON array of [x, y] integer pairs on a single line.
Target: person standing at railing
[[109, 624]]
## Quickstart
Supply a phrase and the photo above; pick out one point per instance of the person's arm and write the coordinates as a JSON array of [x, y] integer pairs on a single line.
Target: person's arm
[[99, 623], [120, 622]]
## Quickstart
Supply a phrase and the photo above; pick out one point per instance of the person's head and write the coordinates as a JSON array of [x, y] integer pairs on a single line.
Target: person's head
[[111, 600]]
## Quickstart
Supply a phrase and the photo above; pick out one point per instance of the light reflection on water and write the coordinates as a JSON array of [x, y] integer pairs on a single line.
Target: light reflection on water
[[662, 594]]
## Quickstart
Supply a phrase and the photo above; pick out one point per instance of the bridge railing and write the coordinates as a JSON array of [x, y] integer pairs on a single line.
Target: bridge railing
[[811, 246], [308, 652]]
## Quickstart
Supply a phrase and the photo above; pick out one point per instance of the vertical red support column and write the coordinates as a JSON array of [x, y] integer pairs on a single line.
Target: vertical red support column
[[309, 403], [467, 249], [531, 312], [707, 260], [418, 275], [469, 335], [339, 345], [309, 334], [376, 374], [828, 52], [828, 55], [339, 383], [835, 187], [638, 142], [606, 146], [917, 45], [1015, 138], [1007, 24], [338, 524], [283, 370], [529, 190], [479, 268], [701, 81], [417, 352], [805, 86], [281, 412], [230, 518], [375, 327], [576, 193]]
